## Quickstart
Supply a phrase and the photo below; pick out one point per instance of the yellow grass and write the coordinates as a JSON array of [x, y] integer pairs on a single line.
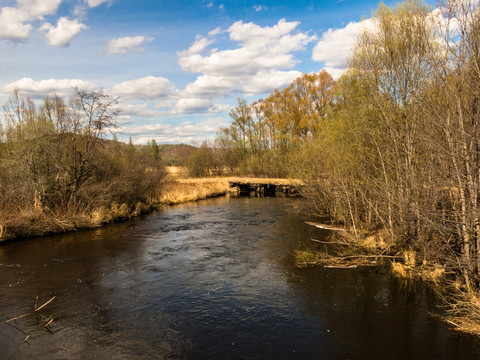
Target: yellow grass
[[174, 172], [402, 271], [374, 241], [183, 190], [409, 256], [409, 270]]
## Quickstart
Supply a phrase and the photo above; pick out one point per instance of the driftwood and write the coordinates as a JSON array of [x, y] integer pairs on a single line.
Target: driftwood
[[340, 267], [351, 243], [325, 227], [48, 302], [345, 262], [45, 321]]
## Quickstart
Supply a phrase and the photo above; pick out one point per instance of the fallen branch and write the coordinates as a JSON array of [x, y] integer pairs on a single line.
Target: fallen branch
[[369, 256], [17, 317], [336, 242], [46, 320], [325, 227], [340, 267], [452, 323], [48, 302]]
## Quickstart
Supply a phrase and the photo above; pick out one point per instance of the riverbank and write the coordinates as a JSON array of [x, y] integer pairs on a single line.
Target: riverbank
[[174, 189]]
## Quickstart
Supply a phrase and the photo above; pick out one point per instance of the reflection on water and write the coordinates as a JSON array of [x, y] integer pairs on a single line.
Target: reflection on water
[[209, 280]]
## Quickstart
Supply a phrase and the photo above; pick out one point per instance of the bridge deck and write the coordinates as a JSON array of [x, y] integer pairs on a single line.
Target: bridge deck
[[266, 186], [266, 181]]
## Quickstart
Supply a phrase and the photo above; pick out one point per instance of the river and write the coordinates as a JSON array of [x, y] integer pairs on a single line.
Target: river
[[211, 280]]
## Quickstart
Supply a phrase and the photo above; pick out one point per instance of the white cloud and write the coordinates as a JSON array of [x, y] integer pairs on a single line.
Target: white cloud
[[335, 45], [193, 105], [146, 88], [186, 132], [198, 46], [140, 110], [12, 24], [15, 21], [215, 31], [61, 87], [266, 81], [258, 8], [63, 33], [218, 108], [336, 73], [127, 44], [95, 3], [254, 67], [39, 8]]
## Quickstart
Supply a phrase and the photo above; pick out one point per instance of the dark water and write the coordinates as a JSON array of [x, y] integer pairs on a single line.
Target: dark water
[[212, 280]]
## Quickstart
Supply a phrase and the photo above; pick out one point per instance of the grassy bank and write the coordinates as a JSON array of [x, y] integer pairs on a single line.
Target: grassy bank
[[41, 222]]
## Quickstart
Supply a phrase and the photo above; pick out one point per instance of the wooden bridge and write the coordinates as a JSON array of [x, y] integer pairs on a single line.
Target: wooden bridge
[[266, 187]]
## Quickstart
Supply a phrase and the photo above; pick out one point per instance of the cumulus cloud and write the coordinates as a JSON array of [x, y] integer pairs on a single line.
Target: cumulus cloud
[[15, 21], [256, 66], [63, 33], [335, 45], [215, 31], [146, 88], [61, 87], [193, 105], [39, 8], [199, 45], [127, 44], [12, 24], [186, 132], [139, 110], [95, 3]]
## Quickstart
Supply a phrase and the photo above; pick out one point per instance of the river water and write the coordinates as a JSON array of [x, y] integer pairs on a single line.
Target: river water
[[211, 280]]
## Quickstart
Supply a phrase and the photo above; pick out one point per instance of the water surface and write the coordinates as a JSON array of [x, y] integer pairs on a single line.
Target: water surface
[[212, 280]]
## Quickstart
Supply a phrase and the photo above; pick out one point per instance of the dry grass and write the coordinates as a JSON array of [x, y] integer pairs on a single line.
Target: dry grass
[[184, 190], [35, 223], [463, 311], [374, 241], [409, 270], [433, 274], [272, 181], [409, 256], [174, 172], [401, 271]]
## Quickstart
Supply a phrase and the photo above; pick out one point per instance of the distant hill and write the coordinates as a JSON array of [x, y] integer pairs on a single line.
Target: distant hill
[[175, 155], [172, 155]]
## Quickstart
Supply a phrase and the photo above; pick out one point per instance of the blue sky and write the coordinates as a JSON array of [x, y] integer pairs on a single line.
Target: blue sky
[[178, 66]]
